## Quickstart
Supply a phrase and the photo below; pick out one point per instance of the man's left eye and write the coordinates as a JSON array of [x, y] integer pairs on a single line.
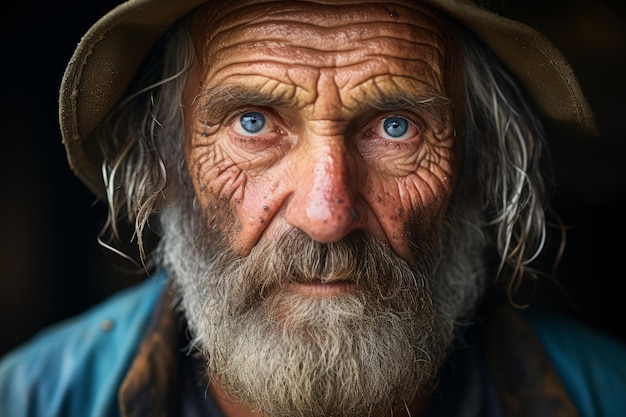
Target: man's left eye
[[252, 122], [395, 128]]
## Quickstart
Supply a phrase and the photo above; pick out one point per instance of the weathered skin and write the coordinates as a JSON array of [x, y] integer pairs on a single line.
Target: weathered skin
[[319, 73], [325, 76]]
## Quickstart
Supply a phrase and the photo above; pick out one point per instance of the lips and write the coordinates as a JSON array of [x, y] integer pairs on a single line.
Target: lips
[[317, 288]]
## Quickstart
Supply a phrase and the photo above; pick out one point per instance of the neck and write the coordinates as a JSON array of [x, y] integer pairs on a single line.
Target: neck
[[232, 408]]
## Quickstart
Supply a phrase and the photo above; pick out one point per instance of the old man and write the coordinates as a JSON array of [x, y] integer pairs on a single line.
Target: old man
[[337, 185]]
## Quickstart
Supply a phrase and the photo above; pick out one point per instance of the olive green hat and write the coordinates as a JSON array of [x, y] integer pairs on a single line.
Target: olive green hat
[[112, 50]]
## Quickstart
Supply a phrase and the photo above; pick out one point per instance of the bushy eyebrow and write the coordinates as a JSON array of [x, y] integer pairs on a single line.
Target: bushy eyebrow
[[407, 100], [216, 102], [432, 107]]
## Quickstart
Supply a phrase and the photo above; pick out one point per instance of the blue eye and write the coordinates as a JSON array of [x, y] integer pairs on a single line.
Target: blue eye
[[252, 122], [395, 126]]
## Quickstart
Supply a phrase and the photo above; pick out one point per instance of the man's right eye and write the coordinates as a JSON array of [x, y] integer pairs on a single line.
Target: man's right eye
[[252, 122]]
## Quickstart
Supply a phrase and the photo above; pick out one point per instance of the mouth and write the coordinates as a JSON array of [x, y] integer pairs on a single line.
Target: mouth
[[317, 288]]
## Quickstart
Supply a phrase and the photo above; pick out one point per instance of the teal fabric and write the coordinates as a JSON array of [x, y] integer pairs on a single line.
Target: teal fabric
[[592, 365], [75, 367]]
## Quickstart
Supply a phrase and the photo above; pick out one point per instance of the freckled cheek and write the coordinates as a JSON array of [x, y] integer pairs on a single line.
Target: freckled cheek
[[214, 175], [263, 197], [246, 202], [219, 185], [409, 208], [262, 200]]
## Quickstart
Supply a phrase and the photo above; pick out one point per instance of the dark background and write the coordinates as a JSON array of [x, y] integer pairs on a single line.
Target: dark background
[[51, 266]]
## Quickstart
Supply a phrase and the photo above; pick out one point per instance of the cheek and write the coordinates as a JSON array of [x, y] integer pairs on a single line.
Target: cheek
[[219, 185], [411, 208], [246, 199], [216, 178]]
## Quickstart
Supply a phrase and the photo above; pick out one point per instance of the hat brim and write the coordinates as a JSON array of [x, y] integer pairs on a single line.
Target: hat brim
[[108, 56]]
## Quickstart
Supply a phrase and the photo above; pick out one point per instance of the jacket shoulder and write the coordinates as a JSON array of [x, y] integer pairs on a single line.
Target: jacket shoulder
[[73, 368], [590, 363]]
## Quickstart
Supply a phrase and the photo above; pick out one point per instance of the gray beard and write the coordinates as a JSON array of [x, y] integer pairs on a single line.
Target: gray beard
[[356, 354]]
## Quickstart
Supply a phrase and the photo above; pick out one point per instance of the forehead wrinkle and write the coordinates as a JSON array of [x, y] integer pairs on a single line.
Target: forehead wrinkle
[[409, 68], [244, 18], [349, 71], [415, 46], [336, 41], [313, 32], [271, 51]]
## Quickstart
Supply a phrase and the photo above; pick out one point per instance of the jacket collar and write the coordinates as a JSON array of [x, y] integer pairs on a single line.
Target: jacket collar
[[151, 387], [528, 385]]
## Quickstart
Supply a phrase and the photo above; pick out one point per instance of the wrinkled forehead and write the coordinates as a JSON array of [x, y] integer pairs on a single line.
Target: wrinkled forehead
[[338, 20]]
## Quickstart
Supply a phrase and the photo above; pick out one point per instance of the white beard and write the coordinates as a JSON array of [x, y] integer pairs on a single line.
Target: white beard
[[355, 354]]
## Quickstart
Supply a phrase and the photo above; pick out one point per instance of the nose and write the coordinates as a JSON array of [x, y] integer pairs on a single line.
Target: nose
[[326, 203]]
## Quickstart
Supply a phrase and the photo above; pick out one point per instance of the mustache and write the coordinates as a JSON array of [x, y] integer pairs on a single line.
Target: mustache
[[303, 259], [295, 257]]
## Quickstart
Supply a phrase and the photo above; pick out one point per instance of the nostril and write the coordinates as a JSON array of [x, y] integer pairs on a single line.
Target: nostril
[[325, 220]]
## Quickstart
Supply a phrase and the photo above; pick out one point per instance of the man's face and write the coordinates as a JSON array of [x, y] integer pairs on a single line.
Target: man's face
[[325, 118], [310, 240]]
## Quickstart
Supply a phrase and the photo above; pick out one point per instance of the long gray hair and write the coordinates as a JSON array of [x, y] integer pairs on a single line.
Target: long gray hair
[[506, 153], [503, 140]]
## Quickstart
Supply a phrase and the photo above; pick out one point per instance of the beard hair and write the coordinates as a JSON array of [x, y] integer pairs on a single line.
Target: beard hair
[[356, 354]]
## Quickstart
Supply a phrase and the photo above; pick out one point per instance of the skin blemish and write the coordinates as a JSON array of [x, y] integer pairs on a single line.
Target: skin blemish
[[266, 208], [261, 220], [400, 213], [203, 187], [393, 13]]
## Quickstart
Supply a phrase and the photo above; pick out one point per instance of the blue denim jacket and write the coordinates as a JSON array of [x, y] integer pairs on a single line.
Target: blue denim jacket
[[75, 367]]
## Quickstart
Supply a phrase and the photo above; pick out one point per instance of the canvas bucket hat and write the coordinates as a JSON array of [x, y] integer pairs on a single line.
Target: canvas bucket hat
[[112, 50]]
